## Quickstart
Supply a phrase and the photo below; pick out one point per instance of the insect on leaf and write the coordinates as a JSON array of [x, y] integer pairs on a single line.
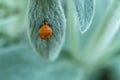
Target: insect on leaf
[[46, 27]]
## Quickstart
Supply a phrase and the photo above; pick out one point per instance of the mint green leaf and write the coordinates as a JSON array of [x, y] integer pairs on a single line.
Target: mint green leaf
[[19, 62], [85, 10], [49, 11]]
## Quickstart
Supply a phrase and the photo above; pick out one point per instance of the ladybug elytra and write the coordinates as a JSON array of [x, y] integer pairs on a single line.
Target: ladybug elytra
[[45, 31]]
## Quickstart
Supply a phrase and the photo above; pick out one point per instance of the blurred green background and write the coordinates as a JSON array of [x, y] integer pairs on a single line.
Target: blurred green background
[[90, 56]]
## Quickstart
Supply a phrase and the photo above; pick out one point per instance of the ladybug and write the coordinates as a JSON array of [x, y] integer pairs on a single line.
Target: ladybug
[[45, 31]]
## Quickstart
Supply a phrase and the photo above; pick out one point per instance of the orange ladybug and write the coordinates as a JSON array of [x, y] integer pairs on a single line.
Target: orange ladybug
[[45, 32]]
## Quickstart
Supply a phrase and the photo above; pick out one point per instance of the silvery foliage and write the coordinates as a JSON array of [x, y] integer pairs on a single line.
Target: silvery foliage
[[85, 10], [52, 11]]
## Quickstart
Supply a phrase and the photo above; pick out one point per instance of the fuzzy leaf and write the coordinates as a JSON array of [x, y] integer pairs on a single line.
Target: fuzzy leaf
[[18, 62], [51, 12], [85, 10]]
